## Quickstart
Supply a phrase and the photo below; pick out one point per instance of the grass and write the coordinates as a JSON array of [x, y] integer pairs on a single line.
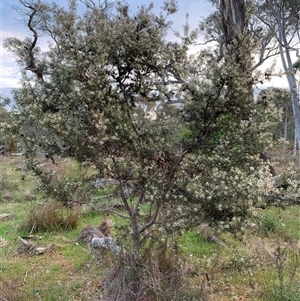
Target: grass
[[247, 266]]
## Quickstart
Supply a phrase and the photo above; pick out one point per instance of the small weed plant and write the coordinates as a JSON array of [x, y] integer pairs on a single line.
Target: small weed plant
[[286, 286], [269, 224]]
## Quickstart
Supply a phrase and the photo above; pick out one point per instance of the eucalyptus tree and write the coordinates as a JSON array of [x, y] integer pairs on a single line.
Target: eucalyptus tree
[[232, 21], [81, 99], [282, 18]]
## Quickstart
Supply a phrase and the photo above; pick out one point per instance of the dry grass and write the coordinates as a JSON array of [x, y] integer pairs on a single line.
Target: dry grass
[[10, 291], [50, 217], [103, 230]]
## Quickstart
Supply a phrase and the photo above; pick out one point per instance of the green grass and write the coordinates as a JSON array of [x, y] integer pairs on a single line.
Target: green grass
[[70, 271], [285, 222], [196, 245]]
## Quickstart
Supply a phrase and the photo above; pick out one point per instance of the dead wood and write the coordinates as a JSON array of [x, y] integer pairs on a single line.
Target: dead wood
[[27, 248], [89, 232], [5, 216]]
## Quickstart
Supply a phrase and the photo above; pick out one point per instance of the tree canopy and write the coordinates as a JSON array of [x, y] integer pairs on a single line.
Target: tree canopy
[[174, 169]]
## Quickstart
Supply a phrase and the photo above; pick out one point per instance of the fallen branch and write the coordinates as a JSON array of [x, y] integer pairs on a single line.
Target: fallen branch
[[4, 216], [31, 249], [217, 241], [100, 237]]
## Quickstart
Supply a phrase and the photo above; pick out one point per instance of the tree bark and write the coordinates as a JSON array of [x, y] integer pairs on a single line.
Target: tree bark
[[233, 19], [287, 64]]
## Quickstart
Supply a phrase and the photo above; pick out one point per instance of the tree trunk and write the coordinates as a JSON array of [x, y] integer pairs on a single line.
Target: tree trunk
[[290, 75], [233, 19], [285, 132]]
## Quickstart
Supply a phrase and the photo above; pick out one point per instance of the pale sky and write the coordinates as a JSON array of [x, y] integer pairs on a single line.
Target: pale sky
[[11, 27]]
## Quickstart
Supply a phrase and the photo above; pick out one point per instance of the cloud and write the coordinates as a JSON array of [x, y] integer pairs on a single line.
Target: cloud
[[9, 68]]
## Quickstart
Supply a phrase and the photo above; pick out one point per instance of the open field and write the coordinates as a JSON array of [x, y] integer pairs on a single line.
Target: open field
[[261, 262]]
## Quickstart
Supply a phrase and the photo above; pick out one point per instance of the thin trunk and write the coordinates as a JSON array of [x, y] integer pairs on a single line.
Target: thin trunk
[[285, 132], [295, 145], [135, 241], [233, 19], [290, 75]]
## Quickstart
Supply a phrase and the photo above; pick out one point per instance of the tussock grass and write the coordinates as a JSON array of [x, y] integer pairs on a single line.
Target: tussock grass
[[9, 291], [50, 217]]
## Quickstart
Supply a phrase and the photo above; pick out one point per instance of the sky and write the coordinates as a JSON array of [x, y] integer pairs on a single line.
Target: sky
[[11, 26]]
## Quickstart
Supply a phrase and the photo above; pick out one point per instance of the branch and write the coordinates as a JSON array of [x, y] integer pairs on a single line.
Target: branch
[[158, 206], [176, 166], [107, 210], [263, 58], [123, 196], [141, 198], [32, 61], [152, 221]]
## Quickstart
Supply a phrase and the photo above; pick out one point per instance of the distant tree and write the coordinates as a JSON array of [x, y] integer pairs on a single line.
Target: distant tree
[[82, 99], [282, 18], [282, 100]]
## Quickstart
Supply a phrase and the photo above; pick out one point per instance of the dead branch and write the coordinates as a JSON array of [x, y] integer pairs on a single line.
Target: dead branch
[[31, 249], [31, 58], [5, 216], [26, 274]]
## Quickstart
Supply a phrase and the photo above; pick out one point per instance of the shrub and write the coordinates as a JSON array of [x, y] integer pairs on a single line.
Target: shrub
[[6, 183], [286, 287]]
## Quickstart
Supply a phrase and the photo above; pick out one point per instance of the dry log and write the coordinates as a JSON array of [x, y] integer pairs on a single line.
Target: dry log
[[31, 249], [4, 216]]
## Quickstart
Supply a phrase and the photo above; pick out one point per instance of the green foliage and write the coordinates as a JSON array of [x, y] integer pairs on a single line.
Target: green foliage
[[67, 182], [296, 65], [269, 224], [6, 137]]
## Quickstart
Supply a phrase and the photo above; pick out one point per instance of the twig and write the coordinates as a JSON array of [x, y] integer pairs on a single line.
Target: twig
[[23, 241], [33, 228], [26, 274]]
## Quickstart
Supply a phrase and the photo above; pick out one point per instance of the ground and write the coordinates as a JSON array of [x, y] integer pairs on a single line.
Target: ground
[[257, 263]]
